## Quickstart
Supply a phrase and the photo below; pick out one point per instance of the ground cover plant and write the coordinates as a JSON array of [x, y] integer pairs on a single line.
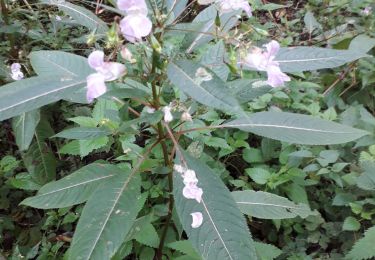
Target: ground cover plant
[[203, 129]]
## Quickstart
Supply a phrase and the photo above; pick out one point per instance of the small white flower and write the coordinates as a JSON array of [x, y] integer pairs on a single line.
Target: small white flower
[[197, 219], [168, 117], [16, 73], [58, 18], [179, 168], [186, 116], [150, 110]]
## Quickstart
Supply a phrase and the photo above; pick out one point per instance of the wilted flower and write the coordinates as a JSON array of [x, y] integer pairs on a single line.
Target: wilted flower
[[136, 24], [16, 72], [106, 71], [264, 61], [127, 55], [186, 116], [168, 117], [197, 219], [226, 6]]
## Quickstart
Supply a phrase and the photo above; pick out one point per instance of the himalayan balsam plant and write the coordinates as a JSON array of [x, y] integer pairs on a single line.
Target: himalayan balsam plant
[[146, 77]]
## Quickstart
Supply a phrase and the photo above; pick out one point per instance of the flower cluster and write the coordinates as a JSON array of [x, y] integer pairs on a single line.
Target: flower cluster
[[16, 72], [105, 71], [226, 6], [191, 191], [136, 24], [264, 61]]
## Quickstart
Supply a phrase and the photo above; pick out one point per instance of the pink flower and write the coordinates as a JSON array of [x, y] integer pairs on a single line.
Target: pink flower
[[133, 6], [135, 26], [197, 219], [366, 11], [192, 192], [106, 71], [226, 6], [264, 61]]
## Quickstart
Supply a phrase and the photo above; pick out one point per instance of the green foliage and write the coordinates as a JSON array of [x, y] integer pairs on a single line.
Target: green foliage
[[363, 248]]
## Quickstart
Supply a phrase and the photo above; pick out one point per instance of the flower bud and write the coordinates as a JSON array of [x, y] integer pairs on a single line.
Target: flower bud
[[127, 55], [155, 44]]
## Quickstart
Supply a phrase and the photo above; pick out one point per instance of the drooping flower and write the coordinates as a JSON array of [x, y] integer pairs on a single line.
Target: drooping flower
[[226, 6], [16, 72], [127, 55], [106, 71], [264, 61], [168, 117], [197, 219], [136, 24], [186, 116]]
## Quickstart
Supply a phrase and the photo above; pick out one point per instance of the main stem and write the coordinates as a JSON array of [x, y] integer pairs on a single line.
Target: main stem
[[161, 134]]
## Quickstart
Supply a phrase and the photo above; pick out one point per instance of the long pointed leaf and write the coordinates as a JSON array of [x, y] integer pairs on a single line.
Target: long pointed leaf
[[24, 128], [73, 189], [223, 233], [107, 218], [212, 93], [296, 128]]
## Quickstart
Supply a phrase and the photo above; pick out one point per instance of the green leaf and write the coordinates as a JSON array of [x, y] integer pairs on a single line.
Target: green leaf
[[81, 15], [266, 205], [259, 175], [206, 32], [214, 59], [296, 128], [363, 248], [47, 63], [298, 59], [32, 93], [83, 133], [246, 90], [351, 224], [366, 180], [223, 233], [148, 236], [362, 43], [185, 247], [101, 230], [39, 158], [267, 251], [73, 189], [24, 127], [212, 93], [311, 24]]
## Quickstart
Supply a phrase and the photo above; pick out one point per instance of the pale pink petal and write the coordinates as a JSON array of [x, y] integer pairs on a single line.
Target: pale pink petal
[[112, 70], [256, 60], [96, 59], [197, 219], [273, 48], [133, 6], [135, 26], [192, 192], [95, 86], [15, 67], [276, 77], [247, 8]]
